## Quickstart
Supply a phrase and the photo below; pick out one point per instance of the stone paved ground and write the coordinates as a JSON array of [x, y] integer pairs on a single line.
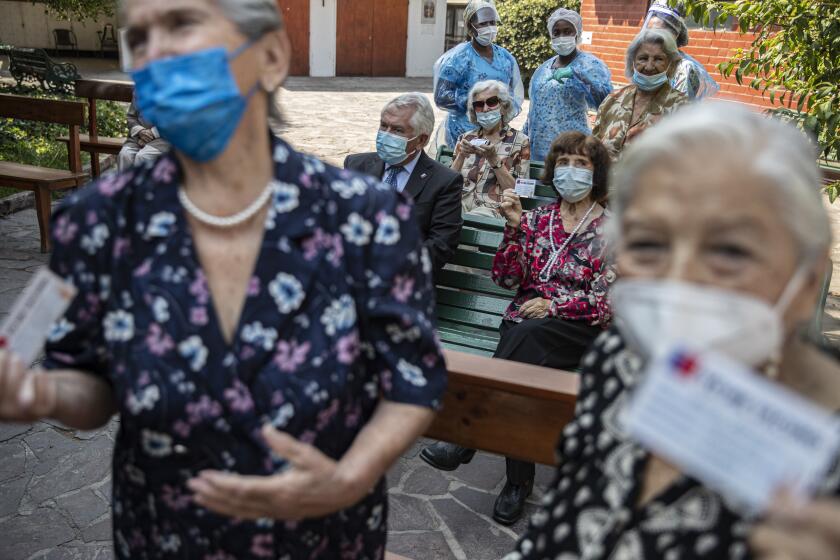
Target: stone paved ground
[[55, 483]]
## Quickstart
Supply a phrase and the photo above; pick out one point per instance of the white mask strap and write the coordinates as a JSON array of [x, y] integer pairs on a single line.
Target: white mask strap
[[796, 282]]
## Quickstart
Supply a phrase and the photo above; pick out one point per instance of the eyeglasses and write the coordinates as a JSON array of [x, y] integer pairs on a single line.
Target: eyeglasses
[[490, 103]]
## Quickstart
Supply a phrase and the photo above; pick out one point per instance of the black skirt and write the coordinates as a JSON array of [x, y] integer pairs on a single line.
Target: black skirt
[[549, 342]]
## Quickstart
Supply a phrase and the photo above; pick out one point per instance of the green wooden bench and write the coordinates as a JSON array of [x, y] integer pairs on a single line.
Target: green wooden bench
[[35, 65], [469, 305]]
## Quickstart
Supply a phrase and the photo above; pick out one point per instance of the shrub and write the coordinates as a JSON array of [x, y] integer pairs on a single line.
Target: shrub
[[523, 31]]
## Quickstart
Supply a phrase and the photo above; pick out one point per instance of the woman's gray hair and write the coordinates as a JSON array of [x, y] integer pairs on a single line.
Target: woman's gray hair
[[652, 37], [777, 153], [423, 119], [506, 100]]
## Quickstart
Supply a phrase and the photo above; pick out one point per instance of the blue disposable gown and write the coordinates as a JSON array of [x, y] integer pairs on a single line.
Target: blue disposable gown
[[558, 107], [458, 70], [692, 79]]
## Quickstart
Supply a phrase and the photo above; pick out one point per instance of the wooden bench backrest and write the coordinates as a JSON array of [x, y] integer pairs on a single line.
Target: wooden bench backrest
[[105, 89], [513, 409], [70, 113]]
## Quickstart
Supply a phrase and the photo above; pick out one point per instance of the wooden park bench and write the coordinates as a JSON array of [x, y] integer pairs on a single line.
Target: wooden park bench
[[91, 142], [469, 305], [35, 65], [43, 180]]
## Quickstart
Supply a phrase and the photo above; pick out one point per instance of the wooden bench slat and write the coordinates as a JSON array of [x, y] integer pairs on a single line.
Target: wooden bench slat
[[476, 302], [473, 259], [42, 110], [468, 317], [467, 340], [466, 281], [475, 331], [484, 240], [466, 349], [10, 170], [484, 222], [109, 90], [104, 144]]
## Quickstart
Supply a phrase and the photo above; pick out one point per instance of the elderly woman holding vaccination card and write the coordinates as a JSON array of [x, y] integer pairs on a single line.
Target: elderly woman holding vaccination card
[[555, 258], [260, 321], [720, 236]]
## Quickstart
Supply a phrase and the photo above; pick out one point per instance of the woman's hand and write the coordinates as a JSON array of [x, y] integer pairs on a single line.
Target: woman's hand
[[537, 308], [26, 395], [490, 153], [799, 532], [465, 148], [511, 208], [312, 486]]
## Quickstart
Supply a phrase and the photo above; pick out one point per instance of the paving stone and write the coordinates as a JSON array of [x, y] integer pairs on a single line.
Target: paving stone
[[11, 492], [87, 464], [83, 507], [427, 481], [81, 552], [485, 471], [101, 531], [479, 538], [9, 431], [50, 445], [12, 459], [26, 535], [483, 502], [420, 546], [409, 514], [397, 471]]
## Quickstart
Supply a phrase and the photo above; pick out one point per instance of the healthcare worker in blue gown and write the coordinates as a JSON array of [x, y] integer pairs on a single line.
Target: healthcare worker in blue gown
[[691, 77], [565, 86], [476, 60]]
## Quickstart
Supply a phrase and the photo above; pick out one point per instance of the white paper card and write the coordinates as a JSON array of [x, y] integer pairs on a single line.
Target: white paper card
[[480, 142], [737, 432], [525, 188], [43, 301]]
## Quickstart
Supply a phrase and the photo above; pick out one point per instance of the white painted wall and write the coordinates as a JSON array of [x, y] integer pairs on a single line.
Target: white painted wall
[[323, 16], [24, 24], [425, 41]]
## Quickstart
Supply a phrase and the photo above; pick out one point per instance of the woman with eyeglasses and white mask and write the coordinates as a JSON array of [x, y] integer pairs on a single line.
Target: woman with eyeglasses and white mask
[[556, 260], [651, 60], [565, 86], [226, 312], [479, 59], [491, 157], [721, 241]]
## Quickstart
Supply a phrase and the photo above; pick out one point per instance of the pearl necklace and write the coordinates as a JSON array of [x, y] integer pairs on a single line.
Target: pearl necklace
[[546, 272], [226, 221]]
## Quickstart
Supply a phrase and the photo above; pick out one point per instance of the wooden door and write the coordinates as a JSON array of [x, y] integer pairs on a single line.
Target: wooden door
[[371, 37], [296, 17]]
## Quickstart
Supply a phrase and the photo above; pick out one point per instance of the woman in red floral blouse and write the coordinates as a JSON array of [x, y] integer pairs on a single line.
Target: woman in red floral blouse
[[554, 256]]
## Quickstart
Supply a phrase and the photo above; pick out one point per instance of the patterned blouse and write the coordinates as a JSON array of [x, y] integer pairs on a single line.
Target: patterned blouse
[[336, 318], [558, 107], [613, 124], [580, 279], [590, 510], [481, 192]]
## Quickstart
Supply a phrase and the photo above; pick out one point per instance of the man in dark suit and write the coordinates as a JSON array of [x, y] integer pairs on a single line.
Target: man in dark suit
[[405, 127]]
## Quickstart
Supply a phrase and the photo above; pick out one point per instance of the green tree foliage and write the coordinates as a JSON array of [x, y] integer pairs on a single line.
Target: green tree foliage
[[79, 10], [523, 31], [794, 60]]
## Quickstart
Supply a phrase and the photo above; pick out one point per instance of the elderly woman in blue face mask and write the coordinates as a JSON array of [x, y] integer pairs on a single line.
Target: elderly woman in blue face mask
[[565, 86], [651, 60], [477, 60], [491, 157], [242, 307]]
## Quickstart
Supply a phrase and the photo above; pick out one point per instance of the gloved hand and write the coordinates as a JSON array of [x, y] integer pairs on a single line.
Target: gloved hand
[[562, 73]]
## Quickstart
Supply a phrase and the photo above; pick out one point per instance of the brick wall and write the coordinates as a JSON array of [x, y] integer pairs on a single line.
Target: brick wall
[[614, 23]]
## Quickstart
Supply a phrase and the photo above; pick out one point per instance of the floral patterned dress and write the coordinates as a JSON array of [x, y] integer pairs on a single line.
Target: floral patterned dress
[[581, 277], [481, 192], [614, 125], [337, 317]]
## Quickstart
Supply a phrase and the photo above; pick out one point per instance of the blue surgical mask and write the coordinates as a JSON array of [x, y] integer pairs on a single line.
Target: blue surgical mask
[[391, 148], [649, 83], [573, 184], [193, 100], [489, 119]]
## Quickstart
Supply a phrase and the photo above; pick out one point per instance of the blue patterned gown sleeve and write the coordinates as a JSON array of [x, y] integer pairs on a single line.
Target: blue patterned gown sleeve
[[458, 70], [558, 107]]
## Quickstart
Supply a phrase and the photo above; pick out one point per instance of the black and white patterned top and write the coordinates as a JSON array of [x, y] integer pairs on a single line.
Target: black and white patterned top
[[590, 512]]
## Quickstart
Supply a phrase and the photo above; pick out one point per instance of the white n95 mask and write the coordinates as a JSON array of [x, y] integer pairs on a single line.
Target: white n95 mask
[[656, 315]]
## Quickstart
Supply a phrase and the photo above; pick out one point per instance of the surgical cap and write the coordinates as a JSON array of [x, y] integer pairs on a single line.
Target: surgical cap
[[483, 10], [562, 14], [673, 19]]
